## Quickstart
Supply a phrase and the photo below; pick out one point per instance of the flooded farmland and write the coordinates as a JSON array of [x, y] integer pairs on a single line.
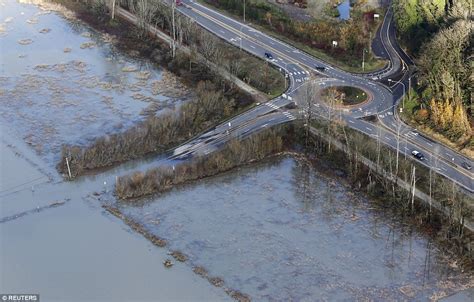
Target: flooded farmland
[[64, 83], [280, 231], [275, 231]]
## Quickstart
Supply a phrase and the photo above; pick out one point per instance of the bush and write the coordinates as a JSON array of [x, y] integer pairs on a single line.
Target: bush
[[234, 154]]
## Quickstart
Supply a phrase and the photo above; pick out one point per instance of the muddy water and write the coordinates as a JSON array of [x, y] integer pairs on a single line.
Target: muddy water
[[282, 232], [62, 82]]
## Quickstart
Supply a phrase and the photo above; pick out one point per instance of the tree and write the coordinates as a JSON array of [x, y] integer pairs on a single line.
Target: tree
[[434, 113], [307, 98], [447, 114], [145, 11], [460, 122]]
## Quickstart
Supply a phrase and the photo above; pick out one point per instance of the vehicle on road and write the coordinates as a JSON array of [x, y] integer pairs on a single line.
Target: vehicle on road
[[466, 166], [179, 3], [291, 105], [268, 55], [320, 68], [418, 154]]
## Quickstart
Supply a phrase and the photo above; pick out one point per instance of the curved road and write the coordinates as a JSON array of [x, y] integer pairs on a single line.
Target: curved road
[[300, 68]]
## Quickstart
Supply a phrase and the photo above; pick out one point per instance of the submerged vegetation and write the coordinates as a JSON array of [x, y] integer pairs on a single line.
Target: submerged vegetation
[[155, 134], [234, 154], [391, 178], [217, 97]]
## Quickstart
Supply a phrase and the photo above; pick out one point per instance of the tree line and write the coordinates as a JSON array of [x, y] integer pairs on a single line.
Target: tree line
[[233, 154], [352, 35], [439, 34], [216, 97]]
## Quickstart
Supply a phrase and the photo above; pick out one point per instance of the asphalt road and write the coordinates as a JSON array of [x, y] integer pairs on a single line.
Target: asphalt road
[[300, 68]]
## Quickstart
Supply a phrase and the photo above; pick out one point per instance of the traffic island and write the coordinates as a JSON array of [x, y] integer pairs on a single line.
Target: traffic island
[[345, 96]]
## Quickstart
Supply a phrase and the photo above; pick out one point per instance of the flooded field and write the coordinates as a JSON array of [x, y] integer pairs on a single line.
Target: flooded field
[[62, 82], [276, 231], [282, 232], [75, 252]]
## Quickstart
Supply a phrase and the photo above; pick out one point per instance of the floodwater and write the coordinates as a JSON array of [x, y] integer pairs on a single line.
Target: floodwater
[[54, 240], [279, 231], [275, 231], [64, 83]]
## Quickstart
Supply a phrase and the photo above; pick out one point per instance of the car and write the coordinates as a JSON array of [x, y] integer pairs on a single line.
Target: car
[[320, 68], [466, 166], [291, 105], [268, 55], [418, 154]]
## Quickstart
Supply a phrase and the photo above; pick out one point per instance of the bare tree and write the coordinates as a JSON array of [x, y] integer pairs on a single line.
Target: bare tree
[[145, 11], [399, 127], [307, 98], [330, 98], [413, 188]]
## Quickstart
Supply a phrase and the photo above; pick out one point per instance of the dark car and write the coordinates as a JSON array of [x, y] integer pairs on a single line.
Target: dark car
[[268, 55], [291, 105], [466, 166], [320, 68], [418, 155]]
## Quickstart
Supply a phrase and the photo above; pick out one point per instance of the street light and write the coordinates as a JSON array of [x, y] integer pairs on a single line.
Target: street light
[[404, 90], [363, 59], [244, 11], [240, 37]]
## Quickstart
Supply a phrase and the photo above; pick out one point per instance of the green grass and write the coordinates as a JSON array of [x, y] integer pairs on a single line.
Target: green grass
[[353, 95], [409, 108]]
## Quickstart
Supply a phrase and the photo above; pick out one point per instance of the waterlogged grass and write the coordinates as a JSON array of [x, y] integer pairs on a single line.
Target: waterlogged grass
[[252, 228]]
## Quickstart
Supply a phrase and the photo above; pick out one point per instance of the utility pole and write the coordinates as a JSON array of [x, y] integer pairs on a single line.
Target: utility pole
[[68, 168], [413, 188], [173, 46], [244, 11], [240, 37], [363, 59], [113, 9]]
